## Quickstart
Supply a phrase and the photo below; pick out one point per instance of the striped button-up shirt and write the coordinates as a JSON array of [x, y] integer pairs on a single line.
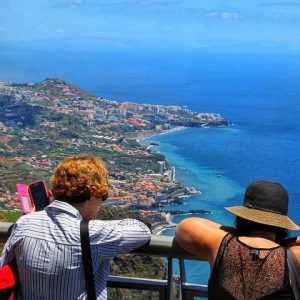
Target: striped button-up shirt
[[47, 249]]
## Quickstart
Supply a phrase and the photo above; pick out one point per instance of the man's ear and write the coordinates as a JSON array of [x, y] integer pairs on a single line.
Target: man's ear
[[92, 199]]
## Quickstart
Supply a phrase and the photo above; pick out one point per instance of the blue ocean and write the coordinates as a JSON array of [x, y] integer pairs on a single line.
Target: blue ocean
[[258, 94]]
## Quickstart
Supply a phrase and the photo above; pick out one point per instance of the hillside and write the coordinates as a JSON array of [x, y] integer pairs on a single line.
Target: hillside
[[40, 124]]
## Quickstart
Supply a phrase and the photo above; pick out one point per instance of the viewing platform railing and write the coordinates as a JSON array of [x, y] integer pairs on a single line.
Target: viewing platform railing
[[161, 246]]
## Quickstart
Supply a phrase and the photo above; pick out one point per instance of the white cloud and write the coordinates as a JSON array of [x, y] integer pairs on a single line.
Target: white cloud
[[68, 3], [212, 14], [74, 3], [230, 15], [223, 14]]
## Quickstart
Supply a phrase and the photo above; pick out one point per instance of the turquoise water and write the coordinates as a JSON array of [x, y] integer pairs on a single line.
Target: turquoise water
[[202, 161], [217, 190]]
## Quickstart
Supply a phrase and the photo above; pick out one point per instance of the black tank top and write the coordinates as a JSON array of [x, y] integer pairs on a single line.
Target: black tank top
[[245, 273]]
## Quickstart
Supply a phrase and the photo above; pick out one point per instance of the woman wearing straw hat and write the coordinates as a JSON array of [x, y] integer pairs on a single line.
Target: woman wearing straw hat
[[250, 261]]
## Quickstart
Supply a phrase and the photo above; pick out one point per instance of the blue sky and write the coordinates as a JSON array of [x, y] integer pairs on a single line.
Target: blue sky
[[187, 24]]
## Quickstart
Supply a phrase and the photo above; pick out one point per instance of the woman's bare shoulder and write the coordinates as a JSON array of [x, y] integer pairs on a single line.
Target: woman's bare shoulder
[[201, 237]]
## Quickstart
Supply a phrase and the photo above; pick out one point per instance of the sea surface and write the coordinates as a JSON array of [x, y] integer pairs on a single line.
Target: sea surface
[[258, 94]]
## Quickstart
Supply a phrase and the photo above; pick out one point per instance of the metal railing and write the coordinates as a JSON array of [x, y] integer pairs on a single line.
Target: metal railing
[[161, 246]]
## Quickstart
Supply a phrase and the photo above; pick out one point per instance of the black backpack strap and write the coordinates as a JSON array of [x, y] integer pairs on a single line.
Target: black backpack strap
[[294, 271], [87, 260]]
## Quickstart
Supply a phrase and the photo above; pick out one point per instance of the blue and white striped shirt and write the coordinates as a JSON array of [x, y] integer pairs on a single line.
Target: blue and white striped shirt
[[47, 249]]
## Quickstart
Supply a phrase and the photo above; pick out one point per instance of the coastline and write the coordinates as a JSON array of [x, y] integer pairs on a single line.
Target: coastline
[[208, 182], [144, 136], [159, 229]]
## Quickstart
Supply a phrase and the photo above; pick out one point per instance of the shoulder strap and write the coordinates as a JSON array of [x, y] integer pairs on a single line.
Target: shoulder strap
[[294, 271], [87, 260]]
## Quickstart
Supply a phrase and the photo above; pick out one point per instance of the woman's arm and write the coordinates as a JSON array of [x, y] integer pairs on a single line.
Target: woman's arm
[[200, 237]]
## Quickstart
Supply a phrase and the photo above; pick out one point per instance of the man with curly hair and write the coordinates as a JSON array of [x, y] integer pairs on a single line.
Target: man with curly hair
[[46, 244]]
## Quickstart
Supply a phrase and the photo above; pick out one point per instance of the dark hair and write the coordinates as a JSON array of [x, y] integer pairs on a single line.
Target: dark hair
[[244, 227]]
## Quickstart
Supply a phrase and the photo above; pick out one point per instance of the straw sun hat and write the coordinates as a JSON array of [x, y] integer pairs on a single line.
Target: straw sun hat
[[265, 202]]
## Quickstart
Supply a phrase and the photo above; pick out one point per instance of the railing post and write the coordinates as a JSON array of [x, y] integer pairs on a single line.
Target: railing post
[[189, 290], [170, 279], [182, 278]]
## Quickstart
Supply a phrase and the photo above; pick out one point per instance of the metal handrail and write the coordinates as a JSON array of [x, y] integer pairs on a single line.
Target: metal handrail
[[159, 245], [162, 246]]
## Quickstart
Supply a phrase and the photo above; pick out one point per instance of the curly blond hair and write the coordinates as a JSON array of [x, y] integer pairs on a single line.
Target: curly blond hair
[[79, 178]]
